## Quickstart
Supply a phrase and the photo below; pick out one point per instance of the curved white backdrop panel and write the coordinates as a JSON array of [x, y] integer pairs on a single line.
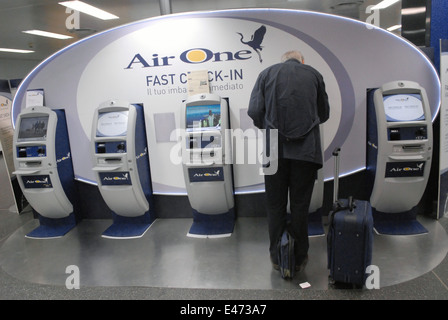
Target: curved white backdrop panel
[[148, 62]]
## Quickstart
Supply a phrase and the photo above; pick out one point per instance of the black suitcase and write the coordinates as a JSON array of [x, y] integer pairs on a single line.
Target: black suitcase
[[350, 237]]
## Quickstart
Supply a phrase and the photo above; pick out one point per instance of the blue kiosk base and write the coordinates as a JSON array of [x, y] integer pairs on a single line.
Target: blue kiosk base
[[52, 227], [402, 223], [212, 225], [129, 227], [315, 227]]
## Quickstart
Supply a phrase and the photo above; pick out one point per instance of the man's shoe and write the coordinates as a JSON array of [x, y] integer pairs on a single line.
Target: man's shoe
[[300, 267]]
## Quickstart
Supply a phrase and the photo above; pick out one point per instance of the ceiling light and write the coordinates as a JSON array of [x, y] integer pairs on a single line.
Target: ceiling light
[[15, 50], [384, 4], [88, 9], [416, 10], [47, 34], [395, 27]]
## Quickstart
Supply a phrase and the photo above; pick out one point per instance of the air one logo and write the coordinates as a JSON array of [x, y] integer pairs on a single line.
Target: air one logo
[[201, 55], [37, 181], [418, 167], [402, 99], [208, 174], [125, 177], [191, 56]]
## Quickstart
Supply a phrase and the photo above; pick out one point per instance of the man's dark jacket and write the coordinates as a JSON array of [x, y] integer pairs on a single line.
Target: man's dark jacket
[[291, 97]]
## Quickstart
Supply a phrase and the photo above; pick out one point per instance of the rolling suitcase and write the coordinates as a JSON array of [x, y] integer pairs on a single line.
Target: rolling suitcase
[[350, 237]]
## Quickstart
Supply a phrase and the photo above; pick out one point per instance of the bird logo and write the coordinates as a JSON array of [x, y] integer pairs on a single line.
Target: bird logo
[[255, 41]]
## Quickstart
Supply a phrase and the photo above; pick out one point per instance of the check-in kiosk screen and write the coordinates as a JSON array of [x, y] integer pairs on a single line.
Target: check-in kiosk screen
[[33, 128], [203, 117], [112, 124], [403, 107]]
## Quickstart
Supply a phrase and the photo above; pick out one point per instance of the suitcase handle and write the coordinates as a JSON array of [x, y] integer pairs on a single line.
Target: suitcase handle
[[337, 206], [336, 152], [351, 204]]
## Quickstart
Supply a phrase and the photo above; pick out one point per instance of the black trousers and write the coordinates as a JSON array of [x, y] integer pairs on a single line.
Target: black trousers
[[296, 178]]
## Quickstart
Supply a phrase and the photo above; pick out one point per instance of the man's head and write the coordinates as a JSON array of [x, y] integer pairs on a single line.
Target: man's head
[[294, 54]]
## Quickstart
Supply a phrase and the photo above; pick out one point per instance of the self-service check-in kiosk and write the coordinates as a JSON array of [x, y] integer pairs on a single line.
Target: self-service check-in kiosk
[[44, 169], [121, 166], [209, 180], [399, 151]]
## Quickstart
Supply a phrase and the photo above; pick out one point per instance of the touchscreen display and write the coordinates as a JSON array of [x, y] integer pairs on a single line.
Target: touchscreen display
[[112, 124], [203, 117], [33, 128], [403, 107]]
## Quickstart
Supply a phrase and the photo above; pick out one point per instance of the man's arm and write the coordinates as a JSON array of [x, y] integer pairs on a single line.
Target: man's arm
[[257, 108], [323, 107]]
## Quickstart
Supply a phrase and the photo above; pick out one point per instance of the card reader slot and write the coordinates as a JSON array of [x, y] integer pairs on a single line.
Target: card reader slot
[[112, 159], [413, 147], [33, 163]]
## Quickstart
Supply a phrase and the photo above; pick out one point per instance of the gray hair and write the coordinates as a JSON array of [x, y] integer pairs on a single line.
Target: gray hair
[[293, 55]]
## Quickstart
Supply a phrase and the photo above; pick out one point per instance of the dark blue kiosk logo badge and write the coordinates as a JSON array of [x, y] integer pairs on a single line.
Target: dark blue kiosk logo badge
[[37, 181], [405, 169], [115, 178], [205, 174]]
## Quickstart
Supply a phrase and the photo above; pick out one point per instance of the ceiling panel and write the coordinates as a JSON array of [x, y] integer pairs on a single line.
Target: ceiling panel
[[48, 15]]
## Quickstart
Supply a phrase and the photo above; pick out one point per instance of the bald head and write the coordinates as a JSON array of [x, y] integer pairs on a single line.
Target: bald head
[[293, 55]]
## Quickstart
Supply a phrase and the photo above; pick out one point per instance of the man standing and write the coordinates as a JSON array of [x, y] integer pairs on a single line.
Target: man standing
[[290, 97]]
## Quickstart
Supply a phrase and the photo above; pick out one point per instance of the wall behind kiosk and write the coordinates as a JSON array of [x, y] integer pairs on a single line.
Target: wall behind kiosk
[[120, 64]]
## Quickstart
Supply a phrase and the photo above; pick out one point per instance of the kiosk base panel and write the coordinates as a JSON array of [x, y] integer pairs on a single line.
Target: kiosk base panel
[[403, 223], [212, 226], [315, 226], [129, 227], [52, 228]]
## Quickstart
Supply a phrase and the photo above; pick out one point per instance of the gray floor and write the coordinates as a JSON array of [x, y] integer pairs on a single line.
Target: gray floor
[[166, 264]]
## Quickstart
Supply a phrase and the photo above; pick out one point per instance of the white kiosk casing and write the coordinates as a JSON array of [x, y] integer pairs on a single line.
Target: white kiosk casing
[[400, 150], [37, 161], [115, 161], [317, 197], [205, 148]]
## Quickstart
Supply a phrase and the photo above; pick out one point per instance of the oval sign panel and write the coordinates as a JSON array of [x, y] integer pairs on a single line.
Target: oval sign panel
[[149, 61]]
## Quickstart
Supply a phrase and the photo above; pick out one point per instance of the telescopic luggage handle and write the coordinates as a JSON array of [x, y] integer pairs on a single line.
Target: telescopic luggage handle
[[336, 203], [336, 152]]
